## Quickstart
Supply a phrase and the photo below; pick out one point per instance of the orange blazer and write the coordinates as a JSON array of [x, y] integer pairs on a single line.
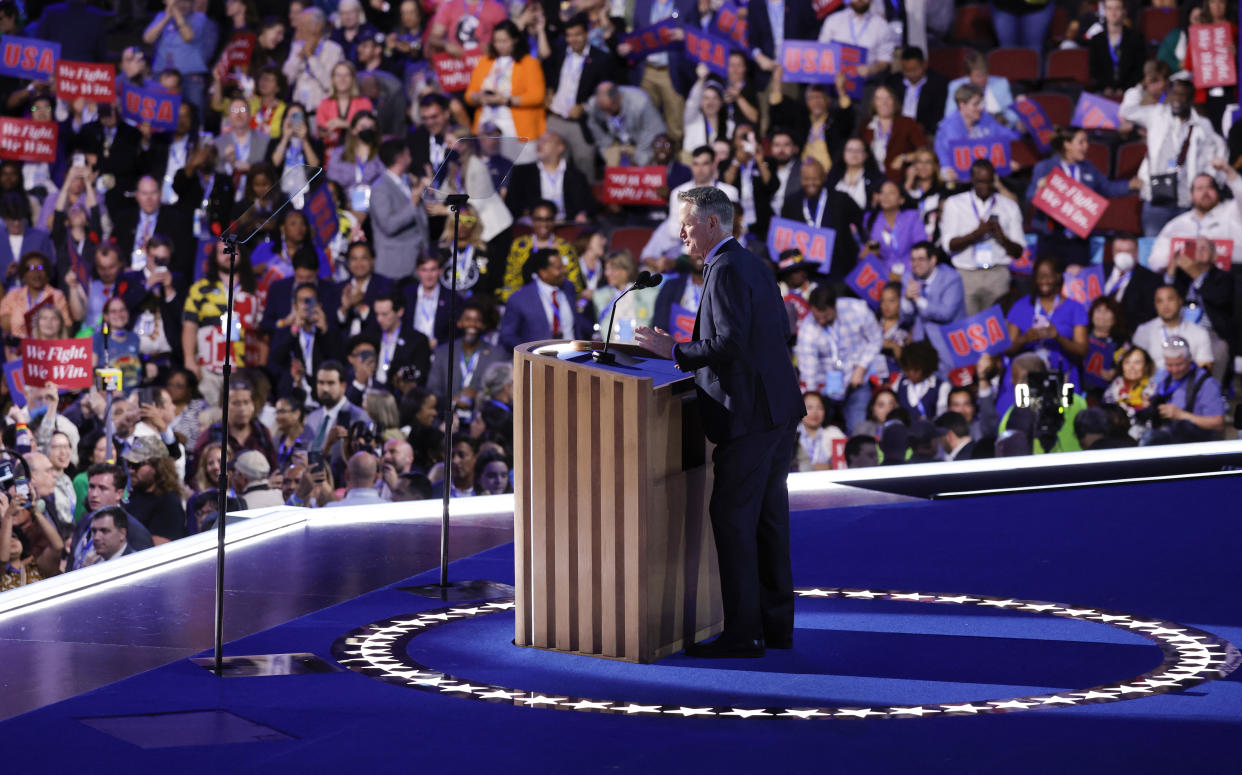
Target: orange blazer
[[529, 115]]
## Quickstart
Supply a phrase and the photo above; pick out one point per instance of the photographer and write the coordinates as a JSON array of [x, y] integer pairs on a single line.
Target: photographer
[[30, 546], [1188, 399], [306, 335], [152, 296], [1046, 407]]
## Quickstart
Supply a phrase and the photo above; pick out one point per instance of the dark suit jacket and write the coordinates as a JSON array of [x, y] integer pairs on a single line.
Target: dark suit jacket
[[419, 143], [525, 320], [680, 67], [122, 159], [170, 222], [445, 323], [32, 239], [136, 293], [597, 69], [1139, 300], [524, 191], [219, 202], [331, 297], [907, 136], [1217, 295], [1131, 55], [286, 346], [745, 378], [932, 97], [840, 213], [154, 160], [412, 349]]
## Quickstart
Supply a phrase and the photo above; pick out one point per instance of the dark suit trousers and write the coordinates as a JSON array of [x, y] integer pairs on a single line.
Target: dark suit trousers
[[750, 520]]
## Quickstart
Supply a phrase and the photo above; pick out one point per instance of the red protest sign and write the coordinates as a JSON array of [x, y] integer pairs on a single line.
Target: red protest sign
[[1070, 203], [91, 81], [1224, 250], [635, 185], [25, 140], [1210, 55], [67, 362], [454, 73], [825, 7], [837, 461], [239, 50]]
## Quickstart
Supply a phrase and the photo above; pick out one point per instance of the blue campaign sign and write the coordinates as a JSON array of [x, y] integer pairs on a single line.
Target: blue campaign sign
[[994, 149], [1083, 284], [868, 280], [1036, 121], [980, 334], [153, 105], [814, 243], [681, 322], [1096, 112], [28, 58], [16, 382], [730, 23], [649, 40], [711, 50], [321, 212], [808, 61]]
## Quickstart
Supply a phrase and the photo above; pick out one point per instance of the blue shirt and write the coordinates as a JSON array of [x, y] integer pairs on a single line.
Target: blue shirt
[[172, 51], [1067, 314], [954, 128]]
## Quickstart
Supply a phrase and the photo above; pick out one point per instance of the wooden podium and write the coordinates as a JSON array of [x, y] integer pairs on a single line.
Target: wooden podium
[[613, 545]]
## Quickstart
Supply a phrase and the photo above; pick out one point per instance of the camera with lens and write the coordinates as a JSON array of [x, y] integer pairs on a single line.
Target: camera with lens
[[1151, 415], [1047, 394], [6, 474], [363, 436]]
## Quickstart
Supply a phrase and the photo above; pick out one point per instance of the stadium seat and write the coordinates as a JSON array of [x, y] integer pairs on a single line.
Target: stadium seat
[[949, 62], [1124, 214], [521, 230], [1058, 27], [1023, 153], [1068, 65], [973, 24], [1060, 108], [631, 238], [1016, 64], [1129, 156], [569, 232], [1100, 155], [1156, 23]]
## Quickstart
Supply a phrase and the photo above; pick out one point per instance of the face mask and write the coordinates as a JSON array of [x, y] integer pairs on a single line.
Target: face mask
[[368, 136], [1123, 261]]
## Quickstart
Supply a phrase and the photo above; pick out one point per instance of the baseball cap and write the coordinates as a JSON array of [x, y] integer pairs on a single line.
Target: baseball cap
[[252, 465], [145, 448]]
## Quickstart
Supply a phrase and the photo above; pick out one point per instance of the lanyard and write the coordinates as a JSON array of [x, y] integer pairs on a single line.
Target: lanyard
[[308, 343], [819, 208], [854, 34], [426, 314], [468, 366], [1038, 314], [207, 188], [987, 211], [388, 346], [293, 154], [1113, 52], [1071, 170]]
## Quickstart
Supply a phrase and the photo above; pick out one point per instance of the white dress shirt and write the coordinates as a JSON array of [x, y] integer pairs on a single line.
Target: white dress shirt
[[1152, 335], [1222, 222], [567, 87], [963, 213], [425, 308], [564, 306], [867, 31]]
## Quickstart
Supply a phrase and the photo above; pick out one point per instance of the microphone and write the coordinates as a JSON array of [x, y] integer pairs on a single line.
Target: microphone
[[645, 279]]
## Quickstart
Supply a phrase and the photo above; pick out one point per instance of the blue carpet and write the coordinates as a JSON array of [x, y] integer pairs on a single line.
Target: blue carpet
[[1166, 551]]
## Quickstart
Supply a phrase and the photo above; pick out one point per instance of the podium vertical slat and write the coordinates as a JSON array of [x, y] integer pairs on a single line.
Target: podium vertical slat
[[588, 514], [564, 503], [521, 497]]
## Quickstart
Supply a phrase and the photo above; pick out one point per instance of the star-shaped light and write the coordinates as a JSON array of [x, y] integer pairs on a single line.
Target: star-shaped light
[[1016, 704], [1155, 684], [407, 623], [864, 593], [1000, 603], [444, 617], [1132, 689], [1056, 700], [1040, 606], [964, 708], [501, 606], [429, 681], [685, 712], [466, 611], [817, 592], [911, 596], [804, 713], [497, 694], [1137, 625], [746, 712], [1094, 695], [1109, 618], [539, 699], [466, 688], [632, 708], [588, 705], [1076, 611], [956, 599], [1164, 631], [859, 712], [918, 711]]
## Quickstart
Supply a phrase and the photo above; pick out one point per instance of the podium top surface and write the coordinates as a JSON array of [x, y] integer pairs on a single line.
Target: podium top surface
[[660, 370]]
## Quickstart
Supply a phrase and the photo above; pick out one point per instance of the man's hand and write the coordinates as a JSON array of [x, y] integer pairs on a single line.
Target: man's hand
[[150, 414], [857, 376], [914, 290], [655, 340], [1170, 412]]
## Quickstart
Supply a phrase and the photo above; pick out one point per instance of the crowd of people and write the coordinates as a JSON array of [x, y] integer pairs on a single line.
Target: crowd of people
[[342, 386]]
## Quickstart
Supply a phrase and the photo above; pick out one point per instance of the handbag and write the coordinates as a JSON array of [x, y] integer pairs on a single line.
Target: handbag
[[1164, 186]]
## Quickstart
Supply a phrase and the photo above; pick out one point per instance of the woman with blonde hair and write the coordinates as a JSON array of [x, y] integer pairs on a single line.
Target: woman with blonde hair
[[635, 310], [381, 407], [337, 110]]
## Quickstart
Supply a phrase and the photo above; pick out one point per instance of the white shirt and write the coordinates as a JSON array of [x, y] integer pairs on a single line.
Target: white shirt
[[1223, 222], [1151, 337], [963, 213], [552, 186], [910, 100], [567, 87], [867, 31], [425, 311], [401, 183], [563, 304], [782, 174], [674, 204]]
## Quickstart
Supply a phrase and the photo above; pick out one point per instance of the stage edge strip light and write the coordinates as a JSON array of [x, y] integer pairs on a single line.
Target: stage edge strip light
[[1191, 657]]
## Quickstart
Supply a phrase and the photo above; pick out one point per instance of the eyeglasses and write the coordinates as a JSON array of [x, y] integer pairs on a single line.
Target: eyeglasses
[[238, 111], [469, 220], [34, 267]]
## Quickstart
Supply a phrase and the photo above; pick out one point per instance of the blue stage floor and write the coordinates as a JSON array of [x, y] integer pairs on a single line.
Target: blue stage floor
[[1144, 578]]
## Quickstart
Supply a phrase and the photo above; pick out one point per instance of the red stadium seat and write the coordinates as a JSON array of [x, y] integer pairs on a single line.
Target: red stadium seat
[[521, 230], [1156, 23], [973, 23], [1060, 108], [1023, 154], [1124, 214], [1100, 155], [1069, 65], [569, 232], [949, 62], [1129, 157], [1016, 64], [1058, 27], [631, 238]]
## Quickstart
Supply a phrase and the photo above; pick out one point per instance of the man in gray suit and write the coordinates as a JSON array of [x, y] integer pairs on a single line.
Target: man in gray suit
[[241, 147], [623, 120], [931, 297], [750, 402], [397, 216]]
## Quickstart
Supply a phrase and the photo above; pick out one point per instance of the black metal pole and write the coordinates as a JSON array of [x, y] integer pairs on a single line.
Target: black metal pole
[[456, 202], [230, 246]]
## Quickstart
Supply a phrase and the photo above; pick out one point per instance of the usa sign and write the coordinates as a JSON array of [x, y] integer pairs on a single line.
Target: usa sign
[[649, 40], [994, 149], [730, 24], [808, 61], [814, 243], [28, 58], [710, 50], [321, 212], [985, 333], [149, 106], [1036, 122], [1083, 284], [867, 280], [1096, 112]]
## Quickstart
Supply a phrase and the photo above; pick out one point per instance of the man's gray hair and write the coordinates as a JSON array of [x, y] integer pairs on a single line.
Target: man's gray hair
[[1176, 347], [497, 377], [706, 201], [967, 92], [315, 13]]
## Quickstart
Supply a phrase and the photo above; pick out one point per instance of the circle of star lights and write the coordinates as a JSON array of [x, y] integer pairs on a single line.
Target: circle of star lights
[[1191, 657]]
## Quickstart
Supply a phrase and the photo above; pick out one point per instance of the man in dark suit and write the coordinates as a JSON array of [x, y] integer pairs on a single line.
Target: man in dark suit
[[750, 402], [1130, 283], [546, 307], [278, 305], [427, 307], [572, 72], [350, 303], [119, 149], [955, 436], [818, 206], [400, 345], [1208, 291], [200, 183], [929, 89], [156, 289], [134, 225], [311, 338], [554, 178], [799, 22], [426, 142]]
